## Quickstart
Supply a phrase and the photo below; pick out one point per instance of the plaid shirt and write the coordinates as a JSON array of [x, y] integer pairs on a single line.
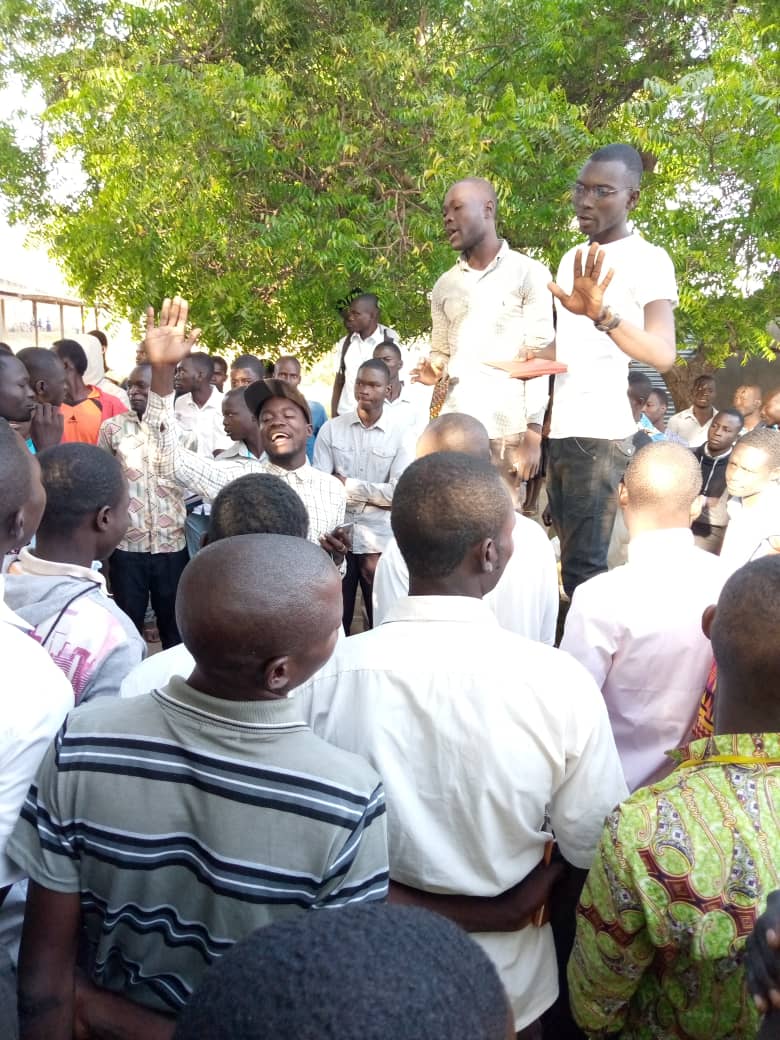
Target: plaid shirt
[[321, 493], [157, 512]]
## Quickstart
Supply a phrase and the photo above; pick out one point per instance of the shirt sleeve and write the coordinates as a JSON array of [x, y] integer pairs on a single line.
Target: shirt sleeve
[[323, 453], [591, 633], [40, 843], [593, 782], [613, 947], [537, 311], [391, 582], [658, 281], [359, 872], [105, 439], [440, 343]]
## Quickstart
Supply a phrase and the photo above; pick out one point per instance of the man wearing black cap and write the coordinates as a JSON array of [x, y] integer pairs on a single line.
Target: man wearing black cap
[[283, 417]]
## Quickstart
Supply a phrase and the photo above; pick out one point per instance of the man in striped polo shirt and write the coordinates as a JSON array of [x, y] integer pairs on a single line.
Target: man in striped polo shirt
[[161, 830]]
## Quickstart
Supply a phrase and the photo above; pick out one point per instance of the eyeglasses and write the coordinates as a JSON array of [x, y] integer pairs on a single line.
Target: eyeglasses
[[597, 191]]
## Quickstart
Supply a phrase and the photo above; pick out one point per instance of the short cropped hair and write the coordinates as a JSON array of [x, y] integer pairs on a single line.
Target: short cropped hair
[[252, 363], [378, 366], [79, 479], [443, 505], [391, 343], [40, 363], [15, 478], [706, 378], [258, 503], [622, 153], [767, 440], [744, 632], [370, 972], [732, 413], [661, 394], [367, 297], [203, 362], [70, 350]]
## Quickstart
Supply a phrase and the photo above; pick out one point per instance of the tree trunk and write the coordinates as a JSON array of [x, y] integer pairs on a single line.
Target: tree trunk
[[683, 375]]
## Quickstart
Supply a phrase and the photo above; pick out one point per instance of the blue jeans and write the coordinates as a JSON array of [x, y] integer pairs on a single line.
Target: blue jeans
[[582, 480]]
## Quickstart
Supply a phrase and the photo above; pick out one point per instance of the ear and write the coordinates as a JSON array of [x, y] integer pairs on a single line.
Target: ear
[[16, 527], [102, 518], [633, 199], [623, 498], [276, 675], [39, 389], [707, 619], [696, 507], [487, 555]]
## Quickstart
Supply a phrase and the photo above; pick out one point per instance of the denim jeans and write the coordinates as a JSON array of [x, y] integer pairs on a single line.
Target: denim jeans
[[582, 481], [135, 576]]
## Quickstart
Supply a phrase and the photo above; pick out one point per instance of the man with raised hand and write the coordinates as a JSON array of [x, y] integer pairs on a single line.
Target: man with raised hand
[[603, 322], [283, 416]]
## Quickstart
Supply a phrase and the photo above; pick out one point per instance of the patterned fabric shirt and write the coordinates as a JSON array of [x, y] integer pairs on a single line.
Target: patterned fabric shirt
[[322, 494], [184, 822], [157, 512], [683, 870]]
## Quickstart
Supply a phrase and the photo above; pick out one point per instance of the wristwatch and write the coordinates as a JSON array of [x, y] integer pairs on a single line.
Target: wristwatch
[[607, 320]]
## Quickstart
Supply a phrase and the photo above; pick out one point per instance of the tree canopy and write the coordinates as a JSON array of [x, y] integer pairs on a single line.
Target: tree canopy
[[264, 156]]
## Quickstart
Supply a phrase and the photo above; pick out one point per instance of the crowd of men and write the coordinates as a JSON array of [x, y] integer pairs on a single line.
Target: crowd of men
[[397, 770]]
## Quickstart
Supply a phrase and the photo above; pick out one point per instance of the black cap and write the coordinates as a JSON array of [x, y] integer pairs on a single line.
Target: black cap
[[256, 394]]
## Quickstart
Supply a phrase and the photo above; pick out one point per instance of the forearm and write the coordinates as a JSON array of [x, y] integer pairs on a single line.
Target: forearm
[[108, 1016], [162, 379], [338, 386], [46, 1007], [369, 493], [642, 345]]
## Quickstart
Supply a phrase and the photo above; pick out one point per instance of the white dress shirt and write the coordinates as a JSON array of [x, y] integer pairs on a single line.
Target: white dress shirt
[[323, 495], [36, 698], [687, 427], [749, 530], [371, 458], [525, 600], [358, 351], [590, 397], [476, 733], [637, 629], [201, 427]]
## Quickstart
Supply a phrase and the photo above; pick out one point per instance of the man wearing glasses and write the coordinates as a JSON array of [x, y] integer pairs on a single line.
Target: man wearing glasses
[[613, 304]]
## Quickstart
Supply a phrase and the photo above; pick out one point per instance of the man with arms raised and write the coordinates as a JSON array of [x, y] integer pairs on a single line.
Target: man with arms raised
[[477, 732], [283, 417], [493, 305], [603, 322]]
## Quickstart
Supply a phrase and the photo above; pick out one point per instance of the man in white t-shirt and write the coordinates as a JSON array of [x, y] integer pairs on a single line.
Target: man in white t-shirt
[[602, 324]]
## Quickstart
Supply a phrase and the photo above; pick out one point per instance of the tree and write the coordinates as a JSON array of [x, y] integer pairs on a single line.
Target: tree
[[264, 157]]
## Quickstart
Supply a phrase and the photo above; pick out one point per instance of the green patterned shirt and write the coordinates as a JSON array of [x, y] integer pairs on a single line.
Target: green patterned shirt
[[683, 869]]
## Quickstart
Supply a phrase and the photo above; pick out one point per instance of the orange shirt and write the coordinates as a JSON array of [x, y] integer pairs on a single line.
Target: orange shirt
[[82, 421]]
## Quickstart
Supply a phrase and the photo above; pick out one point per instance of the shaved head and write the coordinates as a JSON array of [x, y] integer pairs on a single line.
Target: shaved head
[[481, 187], [663, 479], [455, 431], [245, 600], [745, 645]]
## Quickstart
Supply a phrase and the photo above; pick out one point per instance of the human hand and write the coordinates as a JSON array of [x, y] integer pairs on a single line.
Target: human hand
[[167, 343], [529, 455], [762, 957], [46, 427], [427, 372], [337, 542], [587, 293]]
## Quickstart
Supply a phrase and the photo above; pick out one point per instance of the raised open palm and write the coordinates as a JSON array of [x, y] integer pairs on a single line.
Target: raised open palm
[[168, 342], [587, 293]]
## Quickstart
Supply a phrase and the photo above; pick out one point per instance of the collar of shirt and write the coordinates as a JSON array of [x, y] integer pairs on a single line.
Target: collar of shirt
[[237, 449], [214, 402], [354, 420], [465, 266], [301, 474], [29, 564], [730, 745], [380, 332], [464, 609], [8, 616], [650, 545], [284, 713]]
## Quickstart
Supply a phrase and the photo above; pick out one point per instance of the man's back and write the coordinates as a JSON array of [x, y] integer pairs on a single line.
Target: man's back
[[186, 822], [637, 629], [476, 732]]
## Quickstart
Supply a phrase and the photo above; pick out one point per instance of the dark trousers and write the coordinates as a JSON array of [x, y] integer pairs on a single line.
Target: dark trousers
[[360, 570], [582, 479], [137, 576]]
